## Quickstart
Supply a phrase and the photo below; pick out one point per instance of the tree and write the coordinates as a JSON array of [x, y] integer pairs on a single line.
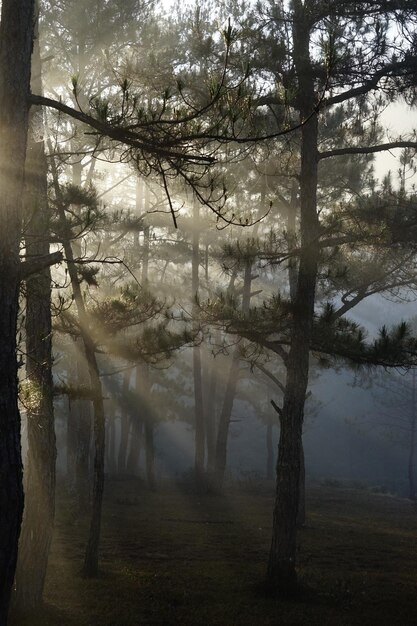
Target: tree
[[395, 416], [15, 56], [16, 32], [307, 77], [39, 508]]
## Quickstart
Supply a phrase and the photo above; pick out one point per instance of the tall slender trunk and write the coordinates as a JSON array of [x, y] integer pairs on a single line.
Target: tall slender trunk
[[71, 437], [412, 448], [210, 417], [147, 417], [39, 512], [142, 382], [150, 453], [16, 30], [229, 396], [90, 568], [292, 277], [269, 450], [281, 572], [136, 427], [110, 463], [71, 442], [301, 513], [82, 417], [199, 447], [124, 425]]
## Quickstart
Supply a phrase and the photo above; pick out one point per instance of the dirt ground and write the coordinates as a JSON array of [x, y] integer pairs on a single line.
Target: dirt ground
[[177, 558]]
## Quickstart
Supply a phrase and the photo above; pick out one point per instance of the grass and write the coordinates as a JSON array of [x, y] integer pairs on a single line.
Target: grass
[[176, 558]]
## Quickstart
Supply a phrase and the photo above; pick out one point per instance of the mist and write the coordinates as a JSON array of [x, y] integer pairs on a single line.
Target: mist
[[208, 275]]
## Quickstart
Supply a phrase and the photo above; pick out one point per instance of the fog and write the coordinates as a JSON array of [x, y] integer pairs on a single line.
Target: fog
[[208, 252]]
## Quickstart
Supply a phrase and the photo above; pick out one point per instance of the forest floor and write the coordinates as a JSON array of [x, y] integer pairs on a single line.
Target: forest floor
[[176, 558]]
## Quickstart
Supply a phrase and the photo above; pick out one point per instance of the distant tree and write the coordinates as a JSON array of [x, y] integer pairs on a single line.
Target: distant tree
[[395, 415]]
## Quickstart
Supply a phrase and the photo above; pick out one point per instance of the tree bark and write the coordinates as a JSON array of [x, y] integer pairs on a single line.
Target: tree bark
[[150, 453], [110, 463], [71, 441], [301, 513], [281, 572], [411, 454], [16, 31], [82, 416], [199, 447], [90, 567], [124, 425], [210, 417], [229, 396], [269, 451], [39, 513], [136, 428]]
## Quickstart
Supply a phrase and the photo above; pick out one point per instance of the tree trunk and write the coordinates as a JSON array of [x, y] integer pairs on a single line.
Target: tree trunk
[[38, 519], [71, 442], [199, 448], [411, 454], [301, 515], [292, 277], [136, 427], [90, 568], [16, 30], [210, 417], [81, 406], [150, 454], [229, 396], [142, 372], [124, 425], [281, 572], [269, 451], [111, 441], [82, 415]]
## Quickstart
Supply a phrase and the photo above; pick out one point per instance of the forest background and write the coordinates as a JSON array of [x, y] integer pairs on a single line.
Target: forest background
[[201, 194]]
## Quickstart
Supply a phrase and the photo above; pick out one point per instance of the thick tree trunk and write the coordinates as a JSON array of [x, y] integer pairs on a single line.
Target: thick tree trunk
[[217, 480], [281, 573], [16, 30], [38, 519]]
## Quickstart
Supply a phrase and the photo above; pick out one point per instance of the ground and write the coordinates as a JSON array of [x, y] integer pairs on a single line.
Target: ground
[[177, 558]]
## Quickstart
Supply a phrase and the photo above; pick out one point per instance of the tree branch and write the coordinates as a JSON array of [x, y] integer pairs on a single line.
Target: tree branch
[[37, 264], [409, 65], [366, 149], [271, 376], [118, 133]]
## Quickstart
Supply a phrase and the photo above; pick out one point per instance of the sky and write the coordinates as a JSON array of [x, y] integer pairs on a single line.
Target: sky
[[399, 119]]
